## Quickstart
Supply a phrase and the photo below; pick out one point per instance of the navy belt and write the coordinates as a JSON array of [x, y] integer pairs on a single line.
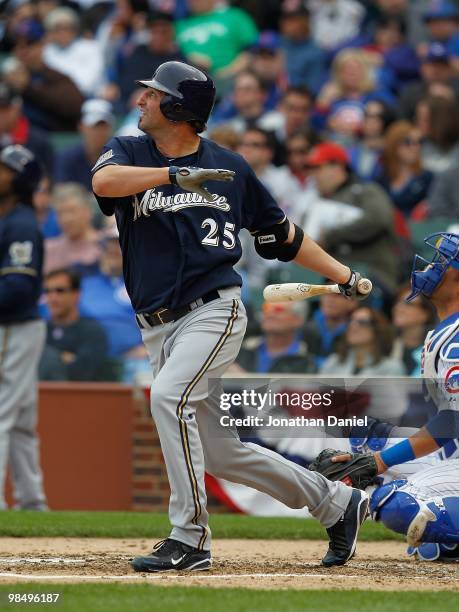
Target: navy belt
[[162, 316]]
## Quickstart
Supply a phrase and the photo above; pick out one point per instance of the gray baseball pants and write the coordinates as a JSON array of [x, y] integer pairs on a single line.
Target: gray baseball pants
[[186, 356], [20, 350]]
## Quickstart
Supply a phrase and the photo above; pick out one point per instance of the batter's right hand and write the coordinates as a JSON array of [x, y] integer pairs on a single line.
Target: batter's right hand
[[350, 289], [191, 179]]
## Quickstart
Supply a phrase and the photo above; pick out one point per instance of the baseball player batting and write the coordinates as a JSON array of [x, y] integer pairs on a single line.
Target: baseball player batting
[[180, 201], [426, 506], [22, 333]]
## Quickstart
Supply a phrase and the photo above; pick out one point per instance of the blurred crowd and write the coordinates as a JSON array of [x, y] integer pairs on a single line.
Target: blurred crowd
[[347, 110]]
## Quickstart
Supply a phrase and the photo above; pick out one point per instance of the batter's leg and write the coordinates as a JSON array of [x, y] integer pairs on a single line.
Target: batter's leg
[[265, 470], [201, 345]]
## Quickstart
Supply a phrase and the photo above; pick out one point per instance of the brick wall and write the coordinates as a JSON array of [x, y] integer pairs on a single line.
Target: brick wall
[[150, 487]]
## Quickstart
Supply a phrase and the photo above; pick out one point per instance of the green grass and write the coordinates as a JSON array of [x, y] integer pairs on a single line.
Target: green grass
[[124, 598], [153, 525]]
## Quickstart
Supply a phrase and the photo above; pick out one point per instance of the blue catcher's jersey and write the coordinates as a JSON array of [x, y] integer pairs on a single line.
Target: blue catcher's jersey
[[440, 363], [176, 245], [21, 260]]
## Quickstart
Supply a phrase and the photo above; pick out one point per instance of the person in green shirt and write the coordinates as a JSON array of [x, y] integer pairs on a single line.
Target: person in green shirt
[[214, 37]]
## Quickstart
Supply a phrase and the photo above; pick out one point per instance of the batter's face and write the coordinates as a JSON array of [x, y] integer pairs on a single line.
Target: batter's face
[[151, 116]]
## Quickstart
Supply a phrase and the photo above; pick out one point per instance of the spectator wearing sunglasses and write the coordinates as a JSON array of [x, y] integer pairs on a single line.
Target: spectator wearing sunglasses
[[365, 349], [403, 176], [76, 347], [257, 147], [365, 155]]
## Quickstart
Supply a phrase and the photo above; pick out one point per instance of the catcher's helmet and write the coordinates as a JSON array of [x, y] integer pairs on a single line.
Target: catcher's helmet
[[190, 92], [427, 275], [28, 170]]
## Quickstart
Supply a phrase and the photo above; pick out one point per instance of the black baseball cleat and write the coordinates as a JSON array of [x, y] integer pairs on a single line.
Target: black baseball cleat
[[343, 534], [170, 555]]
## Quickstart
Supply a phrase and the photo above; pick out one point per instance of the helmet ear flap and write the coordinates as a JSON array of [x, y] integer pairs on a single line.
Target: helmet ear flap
[[170, 107]]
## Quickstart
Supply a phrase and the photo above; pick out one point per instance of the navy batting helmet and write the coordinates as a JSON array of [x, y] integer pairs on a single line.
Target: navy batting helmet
[[190, 94], [28, 170]]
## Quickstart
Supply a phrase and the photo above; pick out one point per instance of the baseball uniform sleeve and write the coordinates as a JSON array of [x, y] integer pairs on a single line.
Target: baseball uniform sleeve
[[260, 208], [114, 153], [20, 265]]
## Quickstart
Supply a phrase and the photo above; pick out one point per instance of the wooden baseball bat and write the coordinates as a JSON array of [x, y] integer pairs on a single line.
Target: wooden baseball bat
[[293, 292]]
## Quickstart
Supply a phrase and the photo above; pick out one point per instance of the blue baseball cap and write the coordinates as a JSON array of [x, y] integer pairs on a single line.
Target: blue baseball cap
[[29, 30], [441, 9], [437, 52], [267, 41]]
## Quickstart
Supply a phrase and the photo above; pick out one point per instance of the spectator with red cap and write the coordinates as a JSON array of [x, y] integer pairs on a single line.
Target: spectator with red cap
[[353, 220]]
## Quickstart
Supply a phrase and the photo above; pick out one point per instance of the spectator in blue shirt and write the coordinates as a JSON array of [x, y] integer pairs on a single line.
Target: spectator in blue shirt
[[305, 61], [442, 21], [365, 155], [45, 211], [104, 298], [96, 126], [328, 324]]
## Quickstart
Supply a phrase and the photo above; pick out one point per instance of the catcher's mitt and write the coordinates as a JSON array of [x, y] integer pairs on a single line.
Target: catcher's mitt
[[359, 471]]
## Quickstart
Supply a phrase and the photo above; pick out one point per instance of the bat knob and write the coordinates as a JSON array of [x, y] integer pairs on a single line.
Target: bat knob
[[364, 286]]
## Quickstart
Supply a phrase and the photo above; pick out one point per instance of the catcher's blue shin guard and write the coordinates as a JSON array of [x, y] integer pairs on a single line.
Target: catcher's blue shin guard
[[434, 521], [429, 551]]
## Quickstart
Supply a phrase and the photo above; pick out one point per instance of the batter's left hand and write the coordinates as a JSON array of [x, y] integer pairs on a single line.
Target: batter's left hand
[[191, 179]]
